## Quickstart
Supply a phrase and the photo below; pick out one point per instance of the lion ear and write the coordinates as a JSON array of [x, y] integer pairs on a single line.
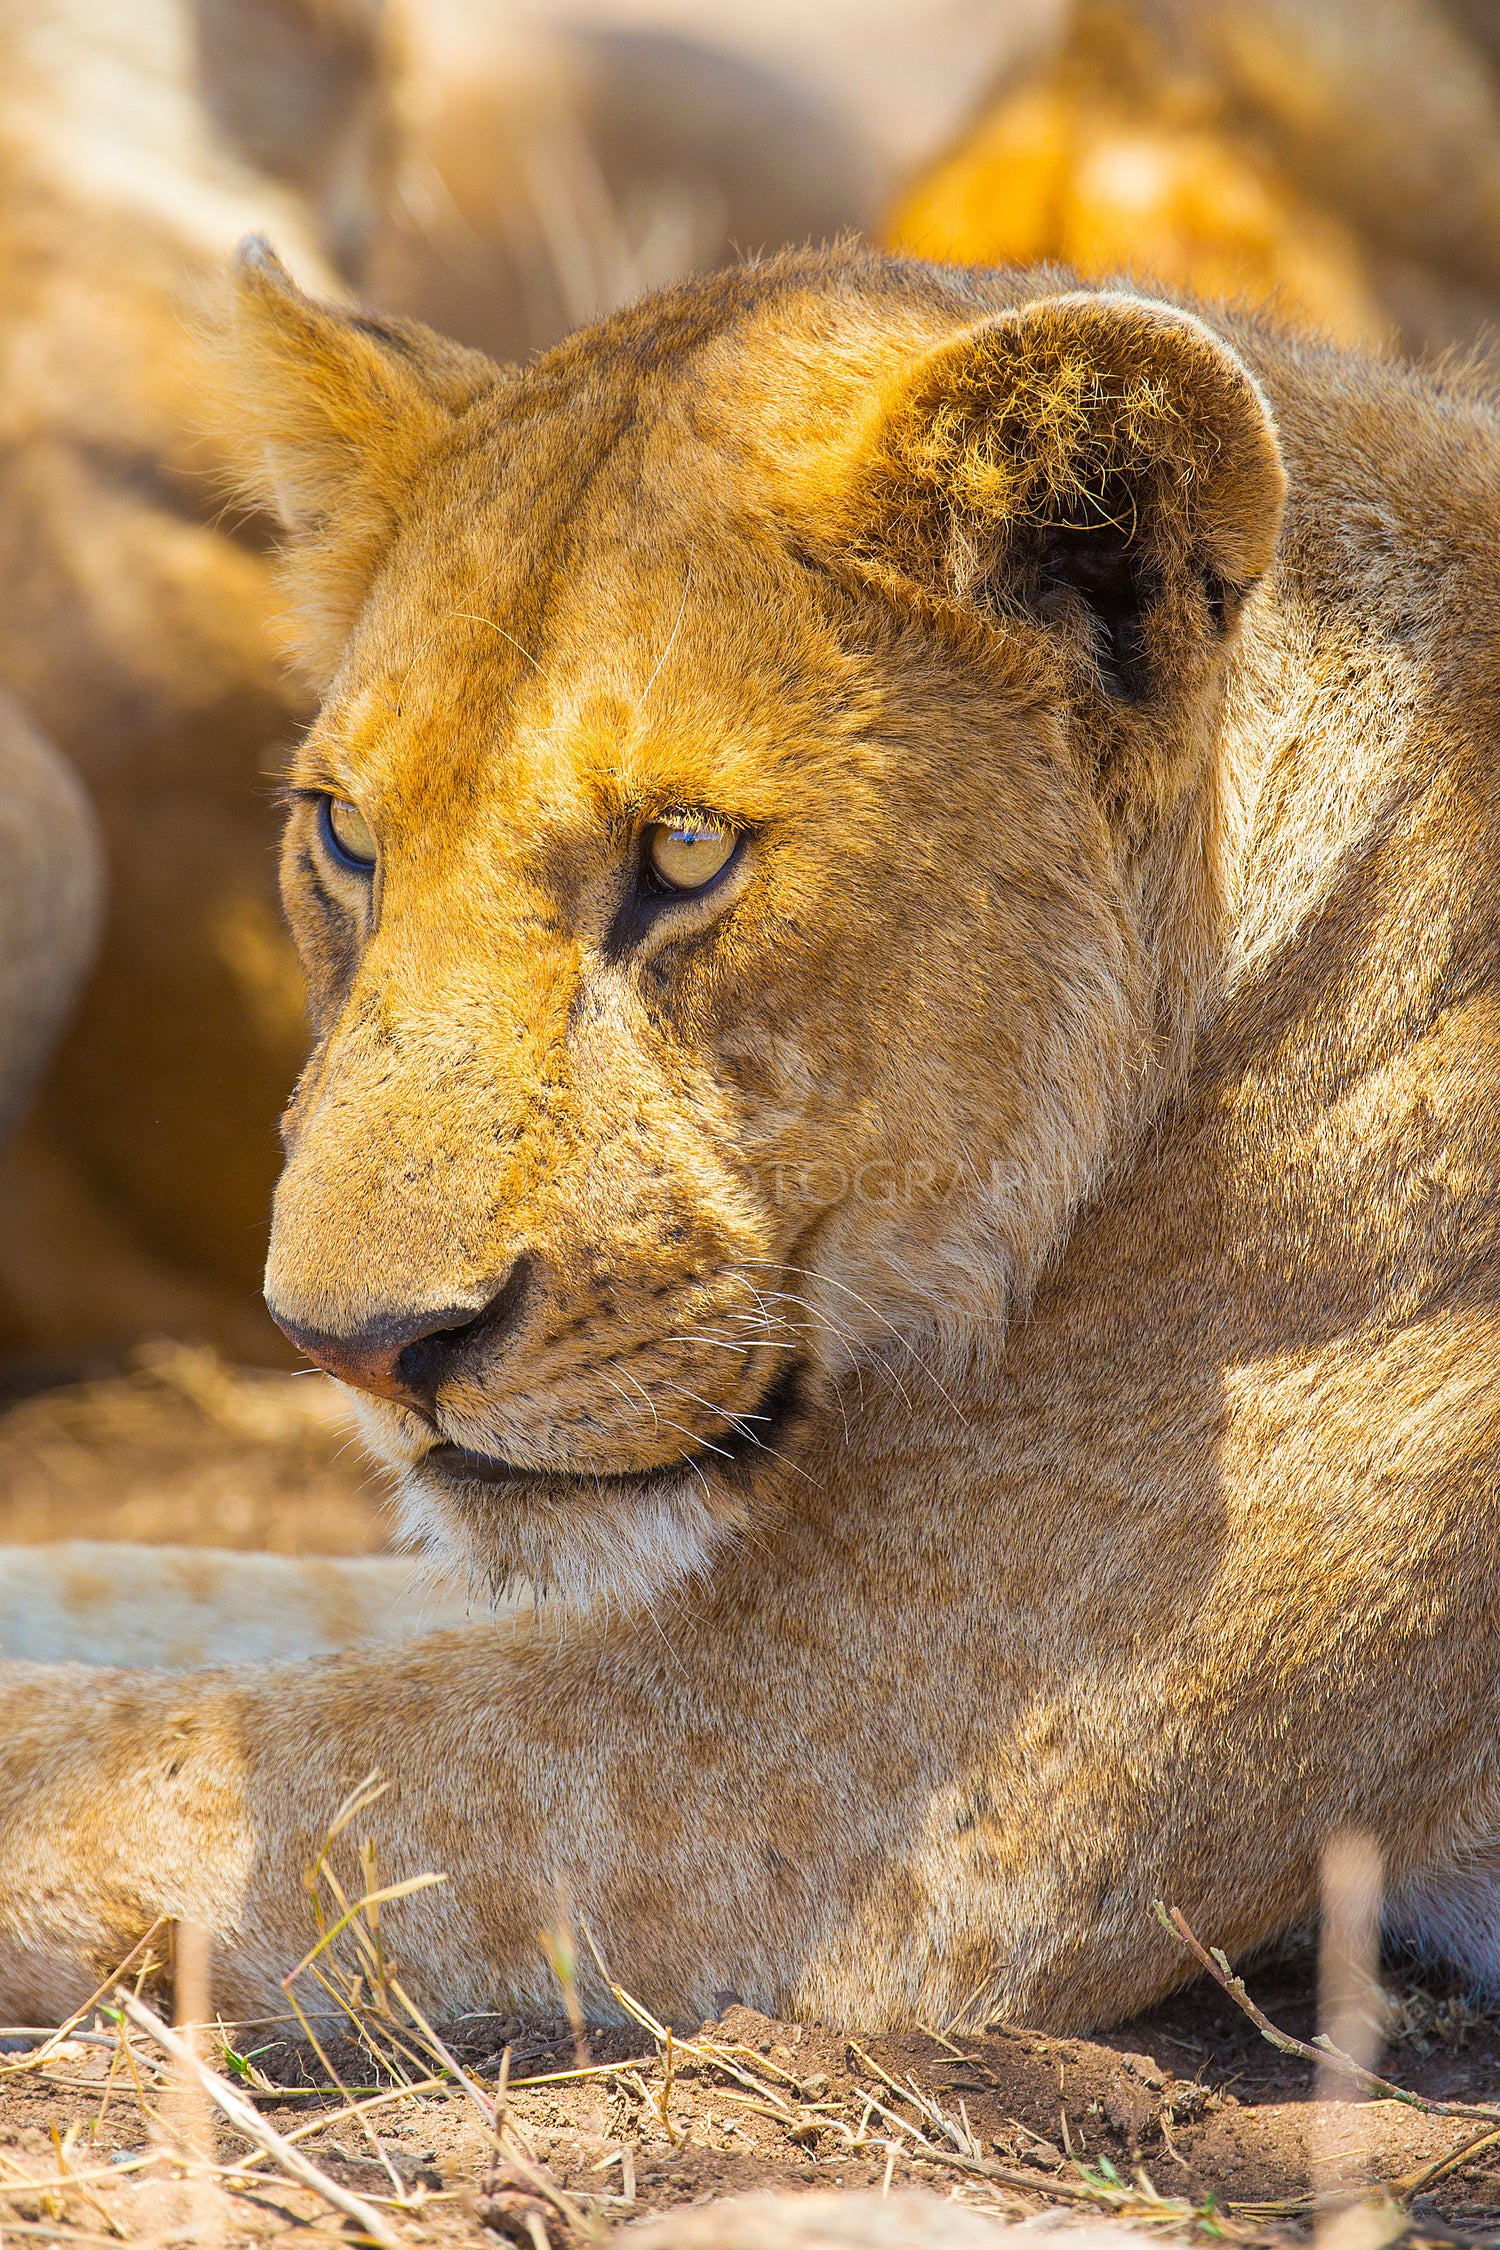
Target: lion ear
[[1101, 465], [328, 414]]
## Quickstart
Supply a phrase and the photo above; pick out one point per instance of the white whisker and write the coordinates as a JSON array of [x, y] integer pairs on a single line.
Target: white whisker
[[629, 1401], [646, 1395], [850, 1344], [828, 1279], [701, 1444], [671, 637]]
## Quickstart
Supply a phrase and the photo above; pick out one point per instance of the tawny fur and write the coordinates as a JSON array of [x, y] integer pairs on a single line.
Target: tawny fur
[[1084, 1078]]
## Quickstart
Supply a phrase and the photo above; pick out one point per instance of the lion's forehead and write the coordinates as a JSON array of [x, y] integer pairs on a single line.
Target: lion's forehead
[[602, 586], [640, 669]]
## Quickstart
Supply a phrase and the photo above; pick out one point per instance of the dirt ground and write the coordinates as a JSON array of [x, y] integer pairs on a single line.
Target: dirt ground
[[1185, 2119]]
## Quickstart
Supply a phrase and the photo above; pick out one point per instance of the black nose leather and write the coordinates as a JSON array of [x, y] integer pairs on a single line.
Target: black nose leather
[[407, 1357]]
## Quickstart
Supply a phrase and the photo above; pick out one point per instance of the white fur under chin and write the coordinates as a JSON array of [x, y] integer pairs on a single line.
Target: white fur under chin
[[627, 1550]]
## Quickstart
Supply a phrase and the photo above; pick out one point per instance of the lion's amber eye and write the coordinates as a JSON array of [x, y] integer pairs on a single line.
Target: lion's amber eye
[[686, 853], [347, 833]]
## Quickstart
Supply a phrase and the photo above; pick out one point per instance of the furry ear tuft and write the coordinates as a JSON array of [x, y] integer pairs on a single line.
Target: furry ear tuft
[[1095, 457], [329, 413]]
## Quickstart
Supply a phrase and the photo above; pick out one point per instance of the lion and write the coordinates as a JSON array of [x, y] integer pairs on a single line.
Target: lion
[[897, 879], [170, 1608], [51, 885], [1338, 160]]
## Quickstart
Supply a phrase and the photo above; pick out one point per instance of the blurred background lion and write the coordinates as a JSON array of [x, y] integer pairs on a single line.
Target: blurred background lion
[[504, 175], [1336, 159]]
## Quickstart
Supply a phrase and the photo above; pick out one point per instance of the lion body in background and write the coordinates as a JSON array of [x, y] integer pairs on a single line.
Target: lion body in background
[[50, 895], [547, 177], [1335, 160], [137, 634], [1000, 1291]]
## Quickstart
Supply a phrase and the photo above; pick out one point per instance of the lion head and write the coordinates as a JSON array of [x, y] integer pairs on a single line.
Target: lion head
[[757, 863]]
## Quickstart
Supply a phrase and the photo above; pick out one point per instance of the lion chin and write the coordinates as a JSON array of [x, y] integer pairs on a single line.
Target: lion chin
[[579, 1535]]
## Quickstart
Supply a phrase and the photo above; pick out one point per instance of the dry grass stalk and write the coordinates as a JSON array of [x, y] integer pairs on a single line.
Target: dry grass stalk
[[327, 2120], [245, 2119], [1349, 2013], [190, 2115], [147, 1966], [1099, 2187], [370, 1996], [361, 1994], [63, 2146], [24, 2185], [561, 1948]]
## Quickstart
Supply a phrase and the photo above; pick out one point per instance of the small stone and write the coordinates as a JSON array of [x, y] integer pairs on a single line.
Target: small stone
[[508, 2207]]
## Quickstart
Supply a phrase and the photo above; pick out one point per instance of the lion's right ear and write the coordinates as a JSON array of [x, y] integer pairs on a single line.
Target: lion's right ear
[[328, 414], [1101, 469]]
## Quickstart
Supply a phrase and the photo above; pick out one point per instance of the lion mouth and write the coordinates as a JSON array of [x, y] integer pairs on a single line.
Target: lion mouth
[[745, 1438]]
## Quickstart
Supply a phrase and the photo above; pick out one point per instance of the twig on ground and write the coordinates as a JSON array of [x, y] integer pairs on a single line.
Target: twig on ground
[[1415, 2183], [248, 2120], [1319, 2050], [1323, 2052]]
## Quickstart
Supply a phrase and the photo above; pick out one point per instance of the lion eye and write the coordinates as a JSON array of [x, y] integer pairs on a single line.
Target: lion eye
[[686, 854], [347, 833]]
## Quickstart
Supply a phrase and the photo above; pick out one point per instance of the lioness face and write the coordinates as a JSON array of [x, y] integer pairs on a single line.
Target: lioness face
[[721, 975]]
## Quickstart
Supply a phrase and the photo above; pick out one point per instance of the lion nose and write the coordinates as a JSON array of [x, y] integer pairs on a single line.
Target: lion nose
[[407, 1357]]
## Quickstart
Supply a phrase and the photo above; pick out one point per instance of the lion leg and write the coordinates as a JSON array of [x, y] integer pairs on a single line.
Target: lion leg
[[173, 1608], [709, 1846], [51, 887], [129, 1797], [728, 1801], [1453, 1917]]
